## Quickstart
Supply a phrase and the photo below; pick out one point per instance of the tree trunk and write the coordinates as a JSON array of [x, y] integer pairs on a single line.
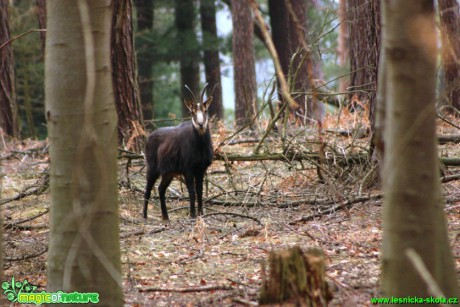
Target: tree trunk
[[413, 216], [450, 30], [296, 278], [189, 50], [145, 16], [125, 86], [342, 44], [8, 109], [211, 56], [84, 250], [243, 63], [364, 31], [41, 14], [289, 27]]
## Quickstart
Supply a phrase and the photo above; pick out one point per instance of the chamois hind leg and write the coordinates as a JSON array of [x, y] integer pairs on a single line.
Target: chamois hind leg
[[190, 182], [199, 192], [151, 179], [164, 184]]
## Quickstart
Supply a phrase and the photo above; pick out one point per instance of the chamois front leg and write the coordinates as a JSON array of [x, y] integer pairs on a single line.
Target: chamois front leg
[[199, 192], [190, 182]]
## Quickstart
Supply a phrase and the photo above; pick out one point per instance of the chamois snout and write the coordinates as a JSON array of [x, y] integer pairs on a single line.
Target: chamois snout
[[181, 150]]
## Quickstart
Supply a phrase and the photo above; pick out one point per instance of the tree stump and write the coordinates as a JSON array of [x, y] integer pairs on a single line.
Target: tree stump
[[296, 278]]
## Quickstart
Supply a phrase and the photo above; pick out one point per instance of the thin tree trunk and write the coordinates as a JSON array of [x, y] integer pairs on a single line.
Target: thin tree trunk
[[125, 86], [211, 56], [41, 14], [8, 109], [84, 248], [450, 30], [413, 216], [189, 51], [145, 15], [342, 45], [243, 63]]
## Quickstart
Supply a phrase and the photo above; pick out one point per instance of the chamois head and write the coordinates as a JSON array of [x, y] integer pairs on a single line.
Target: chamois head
[[199, 110]]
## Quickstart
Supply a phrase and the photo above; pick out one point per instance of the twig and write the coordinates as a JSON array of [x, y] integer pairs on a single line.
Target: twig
[[453, 177], [27, 256], [41, 185], [188, 259], [21, 35], [234, 214], [26, 219], [338, 207], [244, 302], [422, 270], [186, 290]]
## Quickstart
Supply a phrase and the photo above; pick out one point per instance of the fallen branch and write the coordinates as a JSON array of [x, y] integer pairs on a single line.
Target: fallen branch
[[444, 139], [449, 178], [16, 223], [41, 185], [337, 207], [234, 214], [186, 290], [25, 257]]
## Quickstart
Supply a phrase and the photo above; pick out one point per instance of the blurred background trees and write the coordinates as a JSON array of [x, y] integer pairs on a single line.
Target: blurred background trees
[[325, 47]]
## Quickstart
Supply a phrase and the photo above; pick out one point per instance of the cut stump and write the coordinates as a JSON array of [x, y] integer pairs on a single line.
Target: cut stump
[[296, 278]]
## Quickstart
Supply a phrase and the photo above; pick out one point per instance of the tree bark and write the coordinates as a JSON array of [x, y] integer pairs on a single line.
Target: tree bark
[[189, 55], [289, 31], [8, 108], [41, 14], [364, 33], [145, 15], [450, 30], [342, 43], [125, 86], [296, 278], [211, 56], [84, 250], [413, 216], [243, 63]]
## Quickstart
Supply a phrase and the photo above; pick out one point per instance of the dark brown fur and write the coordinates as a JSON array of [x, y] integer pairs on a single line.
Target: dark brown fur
[[180, 150]]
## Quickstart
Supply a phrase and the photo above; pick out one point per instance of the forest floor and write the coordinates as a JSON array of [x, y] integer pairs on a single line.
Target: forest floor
[[251, 209]]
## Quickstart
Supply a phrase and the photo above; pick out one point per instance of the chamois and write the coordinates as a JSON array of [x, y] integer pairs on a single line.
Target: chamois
[[184, 150]]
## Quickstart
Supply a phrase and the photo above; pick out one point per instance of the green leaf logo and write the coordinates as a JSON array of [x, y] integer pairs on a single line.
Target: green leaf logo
[[13, 288]]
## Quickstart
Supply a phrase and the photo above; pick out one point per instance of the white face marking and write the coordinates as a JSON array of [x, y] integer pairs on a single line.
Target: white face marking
[[199, 119]]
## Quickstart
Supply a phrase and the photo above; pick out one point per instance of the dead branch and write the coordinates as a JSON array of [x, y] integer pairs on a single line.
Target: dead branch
[[452, 138], [25, 227], [141, 232], [274, 54], [38, 188], [186, 290], [343, 205], [16, 223], [449, 178], [21, 35], [25, 257], [234, 214], [244, 302], [289, 156], [450, 161]]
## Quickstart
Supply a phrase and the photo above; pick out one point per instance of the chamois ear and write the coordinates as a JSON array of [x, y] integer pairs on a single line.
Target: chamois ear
[[189, 104], [207, 103]]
